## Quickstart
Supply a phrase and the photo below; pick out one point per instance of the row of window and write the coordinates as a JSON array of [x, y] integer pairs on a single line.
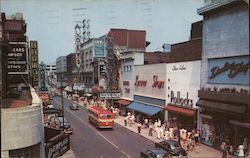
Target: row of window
[[127, 68]]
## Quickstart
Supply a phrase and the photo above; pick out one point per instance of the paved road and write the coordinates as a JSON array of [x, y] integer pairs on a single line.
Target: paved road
[[90, 142]]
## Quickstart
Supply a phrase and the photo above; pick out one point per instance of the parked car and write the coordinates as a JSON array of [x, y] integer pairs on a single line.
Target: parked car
[[172, 147], [67, 128], [74, 106], [154, 153]]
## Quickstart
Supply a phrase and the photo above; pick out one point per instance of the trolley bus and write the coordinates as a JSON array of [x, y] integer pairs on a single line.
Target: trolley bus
[[100, 117]]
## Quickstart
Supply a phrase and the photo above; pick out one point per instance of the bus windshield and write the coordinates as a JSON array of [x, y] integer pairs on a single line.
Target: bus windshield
[[105, 116]]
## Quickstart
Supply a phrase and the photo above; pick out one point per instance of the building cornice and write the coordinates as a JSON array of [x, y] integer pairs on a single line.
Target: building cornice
[[217, 4]]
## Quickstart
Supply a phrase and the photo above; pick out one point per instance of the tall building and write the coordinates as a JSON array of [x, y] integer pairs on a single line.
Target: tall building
[[61, 69], [224, 94], [50, 76], [22, 131]]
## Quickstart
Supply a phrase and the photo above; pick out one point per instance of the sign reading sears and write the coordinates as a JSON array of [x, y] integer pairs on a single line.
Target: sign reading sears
[[59, 148]]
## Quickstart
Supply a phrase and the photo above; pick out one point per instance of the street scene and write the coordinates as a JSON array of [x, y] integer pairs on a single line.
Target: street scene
[[125, 79]]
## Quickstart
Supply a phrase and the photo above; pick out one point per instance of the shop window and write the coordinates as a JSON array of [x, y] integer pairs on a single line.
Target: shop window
[[169, 80], [178, 94], [168, 87]]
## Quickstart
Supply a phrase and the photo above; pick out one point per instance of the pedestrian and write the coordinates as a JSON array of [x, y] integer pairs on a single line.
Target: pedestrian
[[146, 122], [150, 132], [125, 121], [139, 127], [241, 151], [224, 149], [132, 118], [196, 136]]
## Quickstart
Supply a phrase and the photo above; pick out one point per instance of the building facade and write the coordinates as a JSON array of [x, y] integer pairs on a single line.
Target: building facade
[[61, 69], [224, 93], [149, 91], [22, 128], [183, 83]]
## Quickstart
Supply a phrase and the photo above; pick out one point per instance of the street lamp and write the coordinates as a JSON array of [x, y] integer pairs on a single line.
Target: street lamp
[[62, 102]]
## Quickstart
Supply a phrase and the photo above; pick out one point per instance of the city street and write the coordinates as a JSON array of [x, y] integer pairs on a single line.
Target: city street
[[87, 140]]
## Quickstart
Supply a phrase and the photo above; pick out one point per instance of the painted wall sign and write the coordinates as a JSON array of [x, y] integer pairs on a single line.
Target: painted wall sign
[[58, 148], [233, 70], [141, 83], [157, 83], [180, 67]]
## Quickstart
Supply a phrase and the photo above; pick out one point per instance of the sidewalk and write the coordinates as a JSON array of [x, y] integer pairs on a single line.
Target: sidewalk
[[200, 150], [68, 154]]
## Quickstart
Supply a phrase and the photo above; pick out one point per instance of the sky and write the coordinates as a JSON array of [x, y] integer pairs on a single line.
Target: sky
[[52, 22]]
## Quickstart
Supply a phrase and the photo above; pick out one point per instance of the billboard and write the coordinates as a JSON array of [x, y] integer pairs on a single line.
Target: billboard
[[34, 62], [17, 58], [99, 48]]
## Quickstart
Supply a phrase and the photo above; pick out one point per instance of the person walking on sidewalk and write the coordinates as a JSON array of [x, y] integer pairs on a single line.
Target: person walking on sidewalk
[[224, 149], [125, 121], [150, 132], [139, 127]]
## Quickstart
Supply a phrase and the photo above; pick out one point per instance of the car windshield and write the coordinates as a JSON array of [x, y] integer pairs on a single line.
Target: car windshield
[[174, 146], [65, 120]]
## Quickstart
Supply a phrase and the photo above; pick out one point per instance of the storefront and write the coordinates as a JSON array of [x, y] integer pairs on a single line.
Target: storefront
[[182, 93], [122, 105], [184, 117], [222, 121], [149, 92]]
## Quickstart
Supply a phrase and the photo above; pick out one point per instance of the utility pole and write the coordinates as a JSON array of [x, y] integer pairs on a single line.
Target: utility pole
[[62, 101]]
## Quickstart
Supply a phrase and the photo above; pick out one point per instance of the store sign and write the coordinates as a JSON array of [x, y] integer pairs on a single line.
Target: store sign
[[233, 70], [99, 48], [34, 62], [17, 58], [77, 45], [42, 78], [178, 67], [157, 83], [140, 83], [59, 148], [110, 95]]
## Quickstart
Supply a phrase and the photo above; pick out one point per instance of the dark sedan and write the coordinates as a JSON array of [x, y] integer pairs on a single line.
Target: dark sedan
[[172, 147], [74, 106], [154, 153], [67, 128]]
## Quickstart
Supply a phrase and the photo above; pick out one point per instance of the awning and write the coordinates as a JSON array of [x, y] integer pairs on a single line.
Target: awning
[[143, 108], [123, 102], [68, 88], [180, 110], [222, 106]]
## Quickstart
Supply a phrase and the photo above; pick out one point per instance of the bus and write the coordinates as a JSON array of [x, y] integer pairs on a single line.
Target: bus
[[100, 117]]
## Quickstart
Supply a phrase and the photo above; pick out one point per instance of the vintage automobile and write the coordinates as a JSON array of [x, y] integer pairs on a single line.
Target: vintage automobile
[[154, 153], [67, 128], [74, 106], [172, 147]]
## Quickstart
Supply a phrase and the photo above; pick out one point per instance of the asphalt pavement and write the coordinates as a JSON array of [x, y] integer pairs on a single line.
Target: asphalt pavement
[[87, 141]]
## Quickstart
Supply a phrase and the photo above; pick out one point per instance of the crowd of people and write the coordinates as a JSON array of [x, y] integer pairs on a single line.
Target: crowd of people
[[165, 130]]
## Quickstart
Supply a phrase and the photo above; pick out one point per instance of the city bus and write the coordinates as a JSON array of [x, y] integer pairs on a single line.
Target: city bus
[[100, 117]]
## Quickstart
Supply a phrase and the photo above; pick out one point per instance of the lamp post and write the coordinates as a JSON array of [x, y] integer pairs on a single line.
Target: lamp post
[[62, 102]]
